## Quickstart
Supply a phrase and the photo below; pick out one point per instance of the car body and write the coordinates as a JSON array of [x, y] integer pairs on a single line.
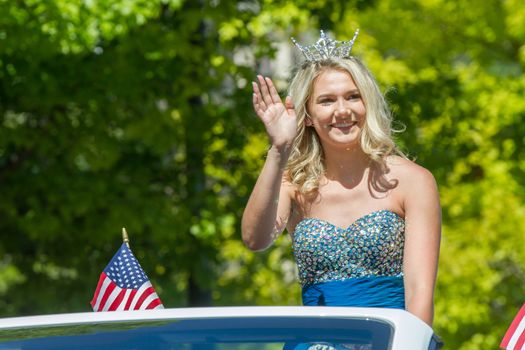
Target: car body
[[236, 328]]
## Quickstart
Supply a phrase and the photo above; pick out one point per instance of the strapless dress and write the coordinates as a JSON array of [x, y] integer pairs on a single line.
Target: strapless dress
[[361, 265]]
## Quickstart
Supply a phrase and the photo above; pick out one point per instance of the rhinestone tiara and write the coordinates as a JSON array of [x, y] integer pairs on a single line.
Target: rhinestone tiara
[[326, 48]]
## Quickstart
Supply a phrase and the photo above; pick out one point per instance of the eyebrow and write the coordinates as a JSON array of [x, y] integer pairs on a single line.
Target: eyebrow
[[329, 94]]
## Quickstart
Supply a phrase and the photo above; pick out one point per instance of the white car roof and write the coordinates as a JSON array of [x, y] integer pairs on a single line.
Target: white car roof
[[409, 331]]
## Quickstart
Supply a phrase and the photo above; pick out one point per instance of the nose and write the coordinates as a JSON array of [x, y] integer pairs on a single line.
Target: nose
[[342, 109]]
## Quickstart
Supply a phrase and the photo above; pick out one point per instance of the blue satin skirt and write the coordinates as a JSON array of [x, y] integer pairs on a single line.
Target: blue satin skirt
[[374, 291]]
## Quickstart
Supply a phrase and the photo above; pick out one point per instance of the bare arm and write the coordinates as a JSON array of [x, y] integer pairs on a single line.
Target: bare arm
[[422, 240], [268, 208]]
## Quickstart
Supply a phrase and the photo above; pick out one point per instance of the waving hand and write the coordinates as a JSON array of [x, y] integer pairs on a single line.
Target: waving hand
[[279, 118]]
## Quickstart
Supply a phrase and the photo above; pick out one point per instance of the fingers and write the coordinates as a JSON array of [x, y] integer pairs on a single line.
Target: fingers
[[288, 104], [261, 96], [265, 92], [268, 91], [273, 91], [256, 91], [265, 96], [258, 104]]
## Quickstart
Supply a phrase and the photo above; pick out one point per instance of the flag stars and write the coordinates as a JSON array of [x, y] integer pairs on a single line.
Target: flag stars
[[125, 270]]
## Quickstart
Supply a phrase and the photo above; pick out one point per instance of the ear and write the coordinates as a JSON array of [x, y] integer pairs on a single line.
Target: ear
[[308, 121]]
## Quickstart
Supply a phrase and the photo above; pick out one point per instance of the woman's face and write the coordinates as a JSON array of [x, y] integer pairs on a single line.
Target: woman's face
[[336, 109]]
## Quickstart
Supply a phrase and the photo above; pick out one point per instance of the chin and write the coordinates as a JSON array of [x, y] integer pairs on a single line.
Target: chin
[[343, 144]]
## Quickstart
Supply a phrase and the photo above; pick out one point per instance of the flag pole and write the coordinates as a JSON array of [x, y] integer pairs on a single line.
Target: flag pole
[[125, 237]]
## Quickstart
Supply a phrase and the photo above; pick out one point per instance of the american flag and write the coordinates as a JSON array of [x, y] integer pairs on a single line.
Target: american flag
[[514, 339], [123, 285]]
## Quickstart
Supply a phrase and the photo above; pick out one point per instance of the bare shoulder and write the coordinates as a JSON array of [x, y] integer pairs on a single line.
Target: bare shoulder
[[417, 187], [409, 173], [416, 184]]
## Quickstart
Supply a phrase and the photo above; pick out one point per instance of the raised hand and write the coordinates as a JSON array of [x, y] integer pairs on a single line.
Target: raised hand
[[279, 118]]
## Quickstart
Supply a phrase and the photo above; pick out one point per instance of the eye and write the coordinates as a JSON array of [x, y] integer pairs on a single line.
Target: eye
[[326, 101], [354, 96]]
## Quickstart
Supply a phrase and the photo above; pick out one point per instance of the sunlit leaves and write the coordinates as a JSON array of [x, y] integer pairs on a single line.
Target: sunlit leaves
[[137, 113]]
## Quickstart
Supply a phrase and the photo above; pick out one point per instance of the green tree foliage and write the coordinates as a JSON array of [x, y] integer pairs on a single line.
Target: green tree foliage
[[125, 113], [456, 69], [137, 113]]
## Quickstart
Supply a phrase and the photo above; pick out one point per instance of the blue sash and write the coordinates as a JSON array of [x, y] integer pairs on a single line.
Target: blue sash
[[374, 291]]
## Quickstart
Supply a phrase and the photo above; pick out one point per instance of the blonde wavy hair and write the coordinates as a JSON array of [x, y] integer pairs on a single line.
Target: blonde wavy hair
[[305, 166]]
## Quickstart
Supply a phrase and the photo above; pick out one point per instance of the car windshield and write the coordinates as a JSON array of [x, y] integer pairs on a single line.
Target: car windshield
[[243, 333]]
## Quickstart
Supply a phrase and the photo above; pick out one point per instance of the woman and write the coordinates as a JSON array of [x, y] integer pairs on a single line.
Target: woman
[[365, 221]]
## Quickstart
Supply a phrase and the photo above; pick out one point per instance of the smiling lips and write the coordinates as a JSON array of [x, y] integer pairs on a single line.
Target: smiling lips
[[343, 125]]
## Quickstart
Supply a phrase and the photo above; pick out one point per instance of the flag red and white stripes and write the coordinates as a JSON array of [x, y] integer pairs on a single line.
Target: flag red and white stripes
[[514, 339], [123, 285], [110, 297]]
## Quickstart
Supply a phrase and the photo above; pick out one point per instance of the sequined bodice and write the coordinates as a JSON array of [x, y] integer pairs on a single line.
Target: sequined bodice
[[371, 246]]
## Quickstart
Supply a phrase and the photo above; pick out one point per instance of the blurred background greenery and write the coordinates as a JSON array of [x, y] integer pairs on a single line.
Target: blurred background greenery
[[137, 113]]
